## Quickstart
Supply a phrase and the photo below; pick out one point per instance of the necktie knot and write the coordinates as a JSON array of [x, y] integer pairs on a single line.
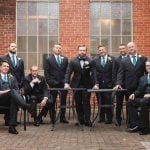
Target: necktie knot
[[5, 79]]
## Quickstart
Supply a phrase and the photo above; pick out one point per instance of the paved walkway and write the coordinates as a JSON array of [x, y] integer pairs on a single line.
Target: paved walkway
[[70, 137]]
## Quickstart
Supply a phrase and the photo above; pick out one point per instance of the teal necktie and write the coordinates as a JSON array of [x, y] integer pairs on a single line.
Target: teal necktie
[[103, 61], [58, 60], [148, 79], [13, 61], [5, 78], [134, 60]]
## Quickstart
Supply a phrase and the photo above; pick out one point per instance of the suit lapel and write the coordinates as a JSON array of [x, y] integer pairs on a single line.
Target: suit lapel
[[54, 61]]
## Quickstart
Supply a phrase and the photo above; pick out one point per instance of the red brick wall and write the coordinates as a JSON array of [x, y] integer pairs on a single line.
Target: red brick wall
[[7, 24], [141, 25], [74, 25]]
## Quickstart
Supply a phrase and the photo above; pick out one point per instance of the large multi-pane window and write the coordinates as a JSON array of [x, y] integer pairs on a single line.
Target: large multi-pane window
[[110, 24], [37, 29]]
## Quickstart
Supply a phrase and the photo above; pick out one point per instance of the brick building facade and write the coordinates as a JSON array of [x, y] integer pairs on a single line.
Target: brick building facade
[[74, 24]]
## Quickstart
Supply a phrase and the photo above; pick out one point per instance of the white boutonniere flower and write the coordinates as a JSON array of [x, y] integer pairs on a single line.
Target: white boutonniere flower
[[86, 63], [19, 58], [109, 58], [139, 56]]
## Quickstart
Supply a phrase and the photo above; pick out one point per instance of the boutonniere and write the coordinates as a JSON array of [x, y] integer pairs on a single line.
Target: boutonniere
[[109, 59], [10, 75], [86, 63], [19, 58], [139, 56]]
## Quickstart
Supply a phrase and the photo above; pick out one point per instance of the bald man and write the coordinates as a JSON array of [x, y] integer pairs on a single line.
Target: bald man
[[35, 86]]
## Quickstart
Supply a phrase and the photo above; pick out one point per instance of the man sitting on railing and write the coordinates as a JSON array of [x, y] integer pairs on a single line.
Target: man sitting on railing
[[81, 67], [140, 98], [35, 86]]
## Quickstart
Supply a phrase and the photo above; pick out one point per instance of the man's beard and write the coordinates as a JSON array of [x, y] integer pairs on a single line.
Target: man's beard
[[12, 52]]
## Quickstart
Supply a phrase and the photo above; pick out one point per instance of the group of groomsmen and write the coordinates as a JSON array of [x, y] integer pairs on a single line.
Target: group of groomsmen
[[104, 71]]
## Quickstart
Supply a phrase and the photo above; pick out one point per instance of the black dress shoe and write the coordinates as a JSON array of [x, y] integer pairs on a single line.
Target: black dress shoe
[[101, 120], [134, 129], [108, 122], [40, 120], [88, 123], [144, 132], [12, 130], [64, 121], [36, 123]]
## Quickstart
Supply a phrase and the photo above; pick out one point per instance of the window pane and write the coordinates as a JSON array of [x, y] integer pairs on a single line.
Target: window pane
[[95, 10], [105, 10], [32, 9], [22, 27], [126, 27], [43, 44], [32, 44], [43, 27], [52, 41], [21, 10], [53, 27], [32, 27], [116, 10], [21, 44], [95, 27], [126, 10], [53, 10], [42, 9], [126, 39], [94, 44], [115, 27], [105, 26], [41, 59], [105, 40], [32, 59], [116, 40]]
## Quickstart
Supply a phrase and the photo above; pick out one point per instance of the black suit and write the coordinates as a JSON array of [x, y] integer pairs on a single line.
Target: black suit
[[18, 70], [12, 98], [129, 75], [81, 79], [37, 92], [106, 81], [55, 75], [144, 103]]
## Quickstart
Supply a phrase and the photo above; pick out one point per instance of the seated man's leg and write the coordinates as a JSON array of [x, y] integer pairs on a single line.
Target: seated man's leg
[[144, 116], [133, 114]]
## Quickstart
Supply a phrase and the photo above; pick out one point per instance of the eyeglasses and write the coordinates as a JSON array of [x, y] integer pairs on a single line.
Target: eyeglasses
[[122, 48]]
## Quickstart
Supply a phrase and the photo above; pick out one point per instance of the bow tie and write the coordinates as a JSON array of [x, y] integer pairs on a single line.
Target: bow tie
[[82, 58]]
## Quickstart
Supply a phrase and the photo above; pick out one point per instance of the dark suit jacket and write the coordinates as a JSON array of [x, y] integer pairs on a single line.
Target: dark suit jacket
[[141, 90], [74, 69], [17, 71], [38, 89], [55, 74], [105, 74], [128, 74]]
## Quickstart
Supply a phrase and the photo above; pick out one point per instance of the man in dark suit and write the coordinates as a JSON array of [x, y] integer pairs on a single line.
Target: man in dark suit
[[16, 64], [131, 69], [54, 70], [35, 86], [140, 98], [119, 95], [9, 96], [104, 68], [81, 67]]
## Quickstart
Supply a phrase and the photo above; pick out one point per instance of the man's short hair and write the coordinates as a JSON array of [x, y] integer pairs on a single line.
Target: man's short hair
[[101, 46], [81, 45], [3, 61]]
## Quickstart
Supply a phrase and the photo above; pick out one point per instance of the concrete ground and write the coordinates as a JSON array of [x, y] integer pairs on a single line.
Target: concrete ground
[[70, 137]]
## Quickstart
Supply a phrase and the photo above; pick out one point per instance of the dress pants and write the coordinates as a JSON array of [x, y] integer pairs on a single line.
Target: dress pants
[[141, 120], [83, 108]]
